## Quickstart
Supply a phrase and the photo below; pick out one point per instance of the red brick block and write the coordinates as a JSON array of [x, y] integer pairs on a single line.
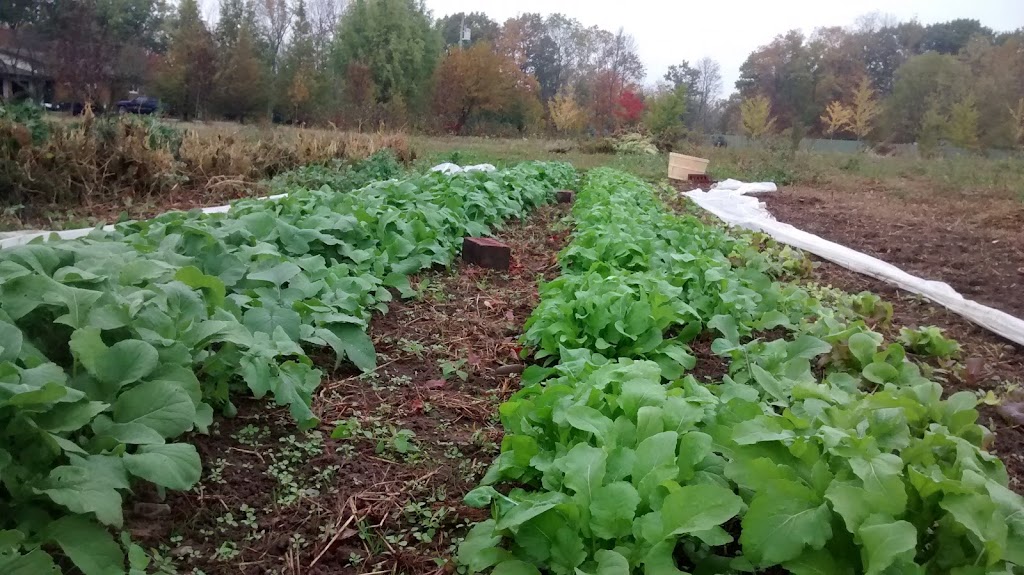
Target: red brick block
[[486, 253], [565, 196]]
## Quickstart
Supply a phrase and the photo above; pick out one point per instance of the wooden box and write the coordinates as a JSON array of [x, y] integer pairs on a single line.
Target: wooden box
[[680, 167]]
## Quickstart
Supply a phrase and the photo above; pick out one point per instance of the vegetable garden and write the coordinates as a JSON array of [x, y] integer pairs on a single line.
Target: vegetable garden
[[689, 406]]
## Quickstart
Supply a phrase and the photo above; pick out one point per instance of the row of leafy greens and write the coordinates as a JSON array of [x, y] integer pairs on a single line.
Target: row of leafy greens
[[820, 449], [114, 345]]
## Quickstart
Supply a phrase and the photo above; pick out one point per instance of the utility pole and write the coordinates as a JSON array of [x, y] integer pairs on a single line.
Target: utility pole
[[464, 34]]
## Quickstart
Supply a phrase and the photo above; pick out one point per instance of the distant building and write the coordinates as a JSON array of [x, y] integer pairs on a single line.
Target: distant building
[[23, 74]]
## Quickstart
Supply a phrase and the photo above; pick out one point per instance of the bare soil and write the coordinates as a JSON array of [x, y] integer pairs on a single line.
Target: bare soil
[[974, 243]]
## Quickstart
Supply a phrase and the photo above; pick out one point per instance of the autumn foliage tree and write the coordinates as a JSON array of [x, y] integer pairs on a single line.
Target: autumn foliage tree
[[1017, 113], [864, 109], [567, 115], [962, 129], [836, 118], [479, 80], [630, 108], [756, 117]]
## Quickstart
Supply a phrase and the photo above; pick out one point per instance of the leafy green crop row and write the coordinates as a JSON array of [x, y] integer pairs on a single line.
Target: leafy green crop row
[[114, 345], [822, 450]]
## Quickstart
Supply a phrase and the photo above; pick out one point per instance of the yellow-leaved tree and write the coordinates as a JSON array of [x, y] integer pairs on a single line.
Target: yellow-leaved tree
[[864, 110], [962, 129], [756, 117], [836, 118], [567, 115], [1018, 121]]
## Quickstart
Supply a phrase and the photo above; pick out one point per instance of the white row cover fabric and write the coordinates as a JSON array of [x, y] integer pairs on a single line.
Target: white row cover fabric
[[739, 187], [732, 206], [12, 239], [450, 168]]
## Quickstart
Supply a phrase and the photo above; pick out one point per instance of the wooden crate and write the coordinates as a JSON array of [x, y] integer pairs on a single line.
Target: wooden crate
[[680, 166]]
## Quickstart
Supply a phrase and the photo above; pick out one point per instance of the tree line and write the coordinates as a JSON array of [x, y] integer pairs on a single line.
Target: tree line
[[887, 81], [391, 63]]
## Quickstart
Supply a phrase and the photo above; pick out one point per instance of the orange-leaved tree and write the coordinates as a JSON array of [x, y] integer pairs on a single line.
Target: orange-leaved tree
[[477, 80]]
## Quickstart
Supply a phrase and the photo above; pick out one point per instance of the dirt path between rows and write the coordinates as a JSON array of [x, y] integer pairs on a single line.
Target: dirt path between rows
[[973, 243], [385, 494]]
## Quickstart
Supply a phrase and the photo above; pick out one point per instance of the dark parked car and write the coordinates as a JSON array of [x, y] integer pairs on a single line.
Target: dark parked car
[[140, 105]]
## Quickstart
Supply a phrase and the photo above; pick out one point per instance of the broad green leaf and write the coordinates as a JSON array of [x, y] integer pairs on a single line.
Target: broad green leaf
[[612, 510], [567, 550], [174, 466], [534, 538], [769, 383], [528, 509], [81, 491], [357, 345], [817, 562], [126, 362], [611, 563], [693, 448], [514, 567], [655, 462], [481, 496], [65, 417], [77, 301], [637, 393], [977, 513], [863, 347], [212, 286], [88, 347], [589, 419], [35, 562], [884, 542], [850, 502], [726, 325], [698, 507], [649, 421], [158, 405], [807, 347], [277, 275], [89, 546], [10, 341], [480, 549], [782, 522], [880, 372], [129, 433], [660, 560], [882, 479], [584, 468], [294, 388], [268, 319]]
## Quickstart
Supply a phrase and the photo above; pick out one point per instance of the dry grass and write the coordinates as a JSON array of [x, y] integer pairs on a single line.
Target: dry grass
[[110, 164]]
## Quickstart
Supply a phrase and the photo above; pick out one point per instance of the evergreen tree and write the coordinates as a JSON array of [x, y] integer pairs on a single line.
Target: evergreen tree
[[299, 76], [187, 74], [241, 82], [396, 40]]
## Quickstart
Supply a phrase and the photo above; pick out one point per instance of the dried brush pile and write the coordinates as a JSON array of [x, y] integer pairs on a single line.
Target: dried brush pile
[[109, 165]]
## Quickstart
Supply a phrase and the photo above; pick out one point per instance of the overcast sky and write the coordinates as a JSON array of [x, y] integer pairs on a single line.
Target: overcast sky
[[669, 31]]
